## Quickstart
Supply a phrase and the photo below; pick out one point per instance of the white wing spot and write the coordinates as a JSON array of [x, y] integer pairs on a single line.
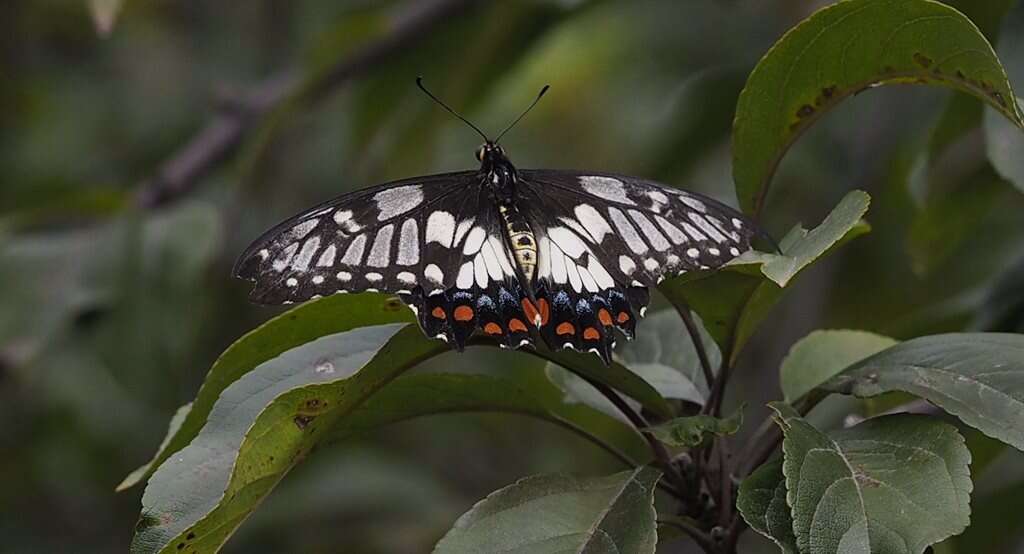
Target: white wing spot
[[737, 223], [627, 265], [657, 240], [460, 231], [409, 244], [596, 225], [567, 241], [658, 199], [714, 251], [344, 276], [305, 256], [558, 271], [491, 259], [628, 233], [693, 232], [651, 264], [693, 202], [303, 229], [354, 254], [286, 257], [318, 279], [672, 260], [341, 216], [434, 273], [502, 254], [734, 251], [407, 278], [380, 253], [601, 276], [708, 228], [574, 276], [263, 254], [589, 282], [440, 226], [327, 258], [607, 188], [474, 240], [465, 278], [397, 201], [693, 253], [480, 269], [374, 277], [672, 231], [292, 282]]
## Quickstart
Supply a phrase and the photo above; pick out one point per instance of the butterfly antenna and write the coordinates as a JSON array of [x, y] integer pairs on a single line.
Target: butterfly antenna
[[419, 83], [522, 115]]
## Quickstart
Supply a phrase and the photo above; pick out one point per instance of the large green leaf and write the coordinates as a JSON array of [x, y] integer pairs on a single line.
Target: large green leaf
[[821, 355], [558, 514], [261, 426], [846, 48], [762, 503], [978, 377], [298, 326], [1003, 139], [732, 303], [893, 484], [526, 391]]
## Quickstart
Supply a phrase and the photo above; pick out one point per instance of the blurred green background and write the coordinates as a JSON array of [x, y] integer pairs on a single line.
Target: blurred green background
[[115, 294]]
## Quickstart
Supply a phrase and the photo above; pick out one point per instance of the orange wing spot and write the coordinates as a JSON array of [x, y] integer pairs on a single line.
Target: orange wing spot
[[532, 315], [590, 333], [623, 317], [492, 328], [438, 312], [604, 317], [545, 311], [565, 328], [516, 325], [463, 313]]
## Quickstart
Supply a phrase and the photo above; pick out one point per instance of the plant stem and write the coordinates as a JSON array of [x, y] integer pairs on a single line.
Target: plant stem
[[698, 344], [688, 526]]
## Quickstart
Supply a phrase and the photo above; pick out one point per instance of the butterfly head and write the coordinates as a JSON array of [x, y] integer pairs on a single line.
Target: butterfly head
[[495, 168]]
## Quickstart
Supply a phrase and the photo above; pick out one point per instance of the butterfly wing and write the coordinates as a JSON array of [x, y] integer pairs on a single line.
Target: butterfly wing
[[436, 241], [603, 239]]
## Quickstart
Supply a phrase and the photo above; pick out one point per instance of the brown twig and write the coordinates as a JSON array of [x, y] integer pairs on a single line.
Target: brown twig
[[219, 138]]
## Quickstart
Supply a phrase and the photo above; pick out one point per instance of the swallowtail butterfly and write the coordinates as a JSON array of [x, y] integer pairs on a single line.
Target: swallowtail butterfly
[[501, 250]]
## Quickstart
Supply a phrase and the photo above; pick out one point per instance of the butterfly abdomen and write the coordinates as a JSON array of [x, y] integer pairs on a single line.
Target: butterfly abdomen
[[524, 244]]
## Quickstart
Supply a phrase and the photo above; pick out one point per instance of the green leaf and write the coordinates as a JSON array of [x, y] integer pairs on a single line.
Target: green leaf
[[526, 391], [664, 355], [843, 49], [762, 502], [821, 355], [732, 303], [298, 326], [978, 377], [560, 513], [696, 430], [614, 375], [893, 484], [261, 426]]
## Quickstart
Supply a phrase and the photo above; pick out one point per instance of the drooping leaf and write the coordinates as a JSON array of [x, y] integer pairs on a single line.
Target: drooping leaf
[[821, 355], [261, 425], [732, 303], [526, 391], [558, 513], [695, 430], [846, 48], [893, 484], [172, 428], [978, 377], [762, 503]]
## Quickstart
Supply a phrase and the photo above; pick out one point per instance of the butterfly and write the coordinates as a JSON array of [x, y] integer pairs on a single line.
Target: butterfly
[[501, 251]]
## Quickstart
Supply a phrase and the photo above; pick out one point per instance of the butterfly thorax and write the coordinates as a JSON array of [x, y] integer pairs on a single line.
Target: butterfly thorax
[[499, 175]]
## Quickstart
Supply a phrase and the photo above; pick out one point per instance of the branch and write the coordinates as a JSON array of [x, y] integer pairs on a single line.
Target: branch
[[216, 141], [698, 344]]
